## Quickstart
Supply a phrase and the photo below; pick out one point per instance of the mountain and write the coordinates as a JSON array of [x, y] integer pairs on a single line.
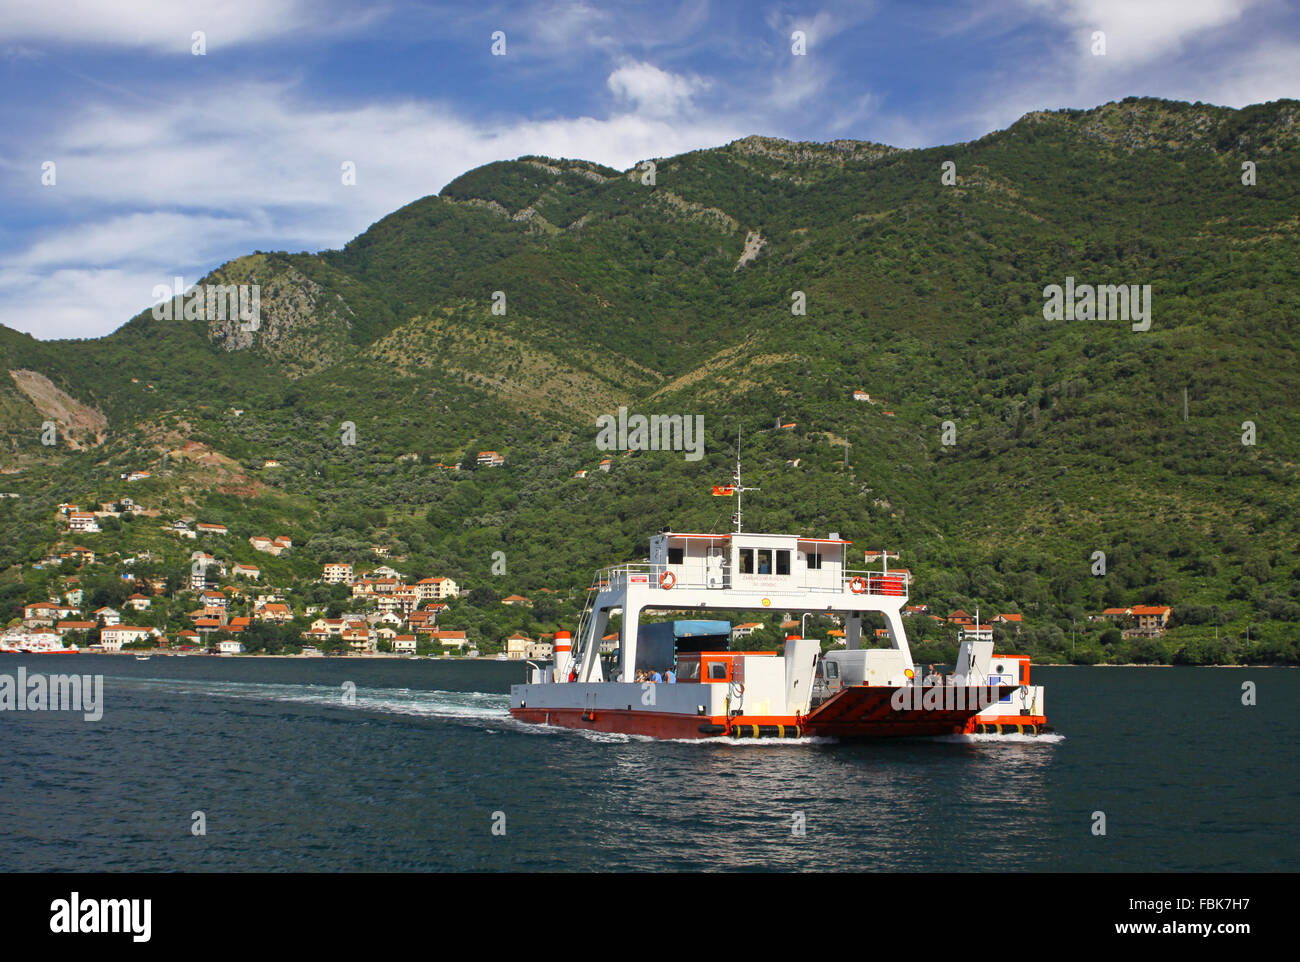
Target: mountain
[[530, 297]]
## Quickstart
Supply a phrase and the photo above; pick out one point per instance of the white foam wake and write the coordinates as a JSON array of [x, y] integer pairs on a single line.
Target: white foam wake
[[400, 701]]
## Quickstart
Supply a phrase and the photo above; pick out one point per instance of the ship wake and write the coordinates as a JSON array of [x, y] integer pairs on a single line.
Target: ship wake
[[423, 703]]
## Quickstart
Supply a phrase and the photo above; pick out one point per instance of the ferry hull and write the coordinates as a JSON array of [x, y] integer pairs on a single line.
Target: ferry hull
[[856, 712]]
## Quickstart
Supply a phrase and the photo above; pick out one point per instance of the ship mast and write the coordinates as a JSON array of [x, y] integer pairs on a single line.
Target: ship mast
[[740, 488]]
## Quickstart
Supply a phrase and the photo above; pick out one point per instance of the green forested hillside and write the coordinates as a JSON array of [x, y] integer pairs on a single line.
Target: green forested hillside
[[1070, 436]]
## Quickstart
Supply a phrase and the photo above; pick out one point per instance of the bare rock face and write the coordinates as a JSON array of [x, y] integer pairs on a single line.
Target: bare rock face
[[78, 425], [297, 322], [754, 242]]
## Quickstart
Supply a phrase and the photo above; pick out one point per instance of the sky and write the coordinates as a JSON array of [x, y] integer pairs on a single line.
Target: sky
[[143, 140]]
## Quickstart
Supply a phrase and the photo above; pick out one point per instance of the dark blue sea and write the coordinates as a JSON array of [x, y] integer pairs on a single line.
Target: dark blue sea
[[416, 774]]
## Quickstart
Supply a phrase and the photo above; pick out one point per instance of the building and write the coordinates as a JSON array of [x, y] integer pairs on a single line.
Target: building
[[139, 602], [230, 646], [861, 396], [108, 617], [604, 465], [1013, 621], [517, 647], [435, 589], [404, 644], [83, 521], [40, 613], [971, 633], [450, 639], [491, 459], [213, 600], [517, 600], [204, 570], [247, 571], [359, 638], [1152, 619], [746, 629], [275, 612], [338, 573], [63, 627], [203, 528], [115, 637]]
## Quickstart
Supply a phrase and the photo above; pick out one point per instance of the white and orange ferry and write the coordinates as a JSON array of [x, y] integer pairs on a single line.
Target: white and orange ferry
[[851, 693]]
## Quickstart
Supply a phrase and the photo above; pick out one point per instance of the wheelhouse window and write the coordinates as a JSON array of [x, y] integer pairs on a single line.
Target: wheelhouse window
[[746, 561], [688, 669], [717, 671], [814, 560], [783, 561], [675, 556], [765, 561]]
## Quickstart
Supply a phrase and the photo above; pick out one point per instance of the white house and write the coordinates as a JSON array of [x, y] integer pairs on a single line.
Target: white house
[[337, 573], [114, 638], [82, 521]]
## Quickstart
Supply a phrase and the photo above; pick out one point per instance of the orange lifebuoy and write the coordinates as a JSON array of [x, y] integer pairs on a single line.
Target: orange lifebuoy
[[858, 586], [667, 580]]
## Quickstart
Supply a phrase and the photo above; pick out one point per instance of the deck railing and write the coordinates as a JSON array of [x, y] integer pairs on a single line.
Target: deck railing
[[880, 583]]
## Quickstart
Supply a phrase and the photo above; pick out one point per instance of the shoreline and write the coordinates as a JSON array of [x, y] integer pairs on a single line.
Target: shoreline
[[159, 653]]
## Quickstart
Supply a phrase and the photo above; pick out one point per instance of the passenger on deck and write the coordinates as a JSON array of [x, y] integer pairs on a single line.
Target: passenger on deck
[[656, 677], [670, 676]]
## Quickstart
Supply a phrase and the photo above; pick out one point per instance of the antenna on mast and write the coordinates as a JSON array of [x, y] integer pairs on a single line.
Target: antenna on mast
[[739, 488]]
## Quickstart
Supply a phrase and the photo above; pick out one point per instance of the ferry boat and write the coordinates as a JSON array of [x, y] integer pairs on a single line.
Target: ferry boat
[[859, 692], [20, 641]]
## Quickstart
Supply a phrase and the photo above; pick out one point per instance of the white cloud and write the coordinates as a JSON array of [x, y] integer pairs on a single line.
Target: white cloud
[[654, 92], [1140, 31], [268, 176], [162, 25]]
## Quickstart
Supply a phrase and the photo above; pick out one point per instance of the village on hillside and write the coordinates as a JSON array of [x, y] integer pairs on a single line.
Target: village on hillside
[[216, 604]]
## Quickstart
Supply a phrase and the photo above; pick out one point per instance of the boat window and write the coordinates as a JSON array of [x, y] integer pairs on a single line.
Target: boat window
[[688, 670], [746, 561], [674, 556], [765, 561], [832, 669], [717, 671], [783, 562], [814, 560]]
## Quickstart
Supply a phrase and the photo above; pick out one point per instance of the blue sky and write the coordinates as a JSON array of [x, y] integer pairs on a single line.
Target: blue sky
[[168, 164]]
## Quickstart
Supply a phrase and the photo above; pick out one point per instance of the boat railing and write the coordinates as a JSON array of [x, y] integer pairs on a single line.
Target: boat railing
[[892, 584], [884, 583]]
